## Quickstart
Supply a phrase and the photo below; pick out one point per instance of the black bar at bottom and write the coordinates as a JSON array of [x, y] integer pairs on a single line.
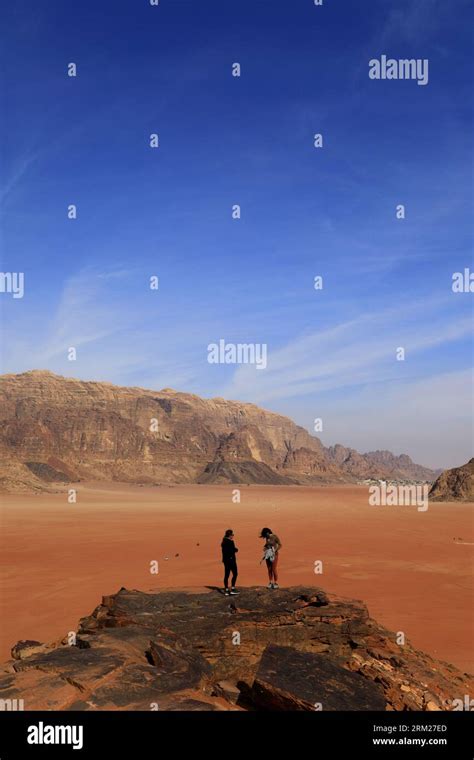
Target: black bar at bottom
[[224, 734]]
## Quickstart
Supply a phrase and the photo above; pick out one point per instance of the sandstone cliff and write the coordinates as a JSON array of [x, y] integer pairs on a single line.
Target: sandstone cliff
[[56, 429]]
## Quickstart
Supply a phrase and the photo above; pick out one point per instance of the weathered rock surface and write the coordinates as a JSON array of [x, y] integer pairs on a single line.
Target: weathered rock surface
[[287, 679], [57, 430], [455, 485], [199, 650]]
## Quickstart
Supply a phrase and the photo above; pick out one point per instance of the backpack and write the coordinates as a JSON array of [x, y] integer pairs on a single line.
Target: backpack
[[269, 553]]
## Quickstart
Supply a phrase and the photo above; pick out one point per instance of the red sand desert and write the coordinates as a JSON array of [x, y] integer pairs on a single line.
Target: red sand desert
[[413, 569]]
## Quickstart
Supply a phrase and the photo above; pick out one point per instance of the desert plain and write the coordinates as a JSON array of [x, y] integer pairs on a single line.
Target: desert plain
[[413, 569]]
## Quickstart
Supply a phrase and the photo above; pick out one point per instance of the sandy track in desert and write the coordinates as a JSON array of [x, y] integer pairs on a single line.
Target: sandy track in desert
[[413, 569]]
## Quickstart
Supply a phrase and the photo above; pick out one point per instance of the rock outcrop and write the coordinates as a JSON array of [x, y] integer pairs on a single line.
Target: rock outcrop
[[454, 485], [57, 430], [289, 649]]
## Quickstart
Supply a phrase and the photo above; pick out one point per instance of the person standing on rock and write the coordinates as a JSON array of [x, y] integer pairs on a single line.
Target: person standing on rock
[[229, 550], [271, 549]]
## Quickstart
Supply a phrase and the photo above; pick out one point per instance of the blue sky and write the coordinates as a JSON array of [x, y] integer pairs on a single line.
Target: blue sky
[[305, 211]]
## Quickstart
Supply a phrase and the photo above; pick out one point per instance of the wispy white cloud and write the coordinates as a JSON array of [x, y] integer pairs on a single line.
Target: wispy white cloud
[[429, 418], [118, 334], [352, 353], [413, 21], [84, 314], [23, 164]]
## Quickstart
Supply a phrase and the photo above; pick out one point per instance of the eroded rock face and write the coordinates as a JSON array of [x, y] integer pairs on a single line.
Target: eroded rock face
[[287, 679], [289, 649], [455, 485], [57, 429]]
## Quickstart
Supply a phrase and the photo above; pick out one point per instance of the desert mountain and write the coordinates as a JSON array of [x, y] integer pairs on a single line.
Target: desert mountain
[[57, 429], [376, 464], [455, 485]]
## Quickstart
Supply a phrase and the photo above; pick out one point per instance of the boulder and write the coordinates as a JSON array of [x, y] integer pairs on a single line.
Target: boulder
[[291, 680]]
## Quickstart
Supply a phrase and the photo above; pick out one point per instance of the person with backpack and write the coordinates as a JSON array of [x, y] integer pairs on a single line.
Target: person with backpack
[[229, 550], [271, 548]]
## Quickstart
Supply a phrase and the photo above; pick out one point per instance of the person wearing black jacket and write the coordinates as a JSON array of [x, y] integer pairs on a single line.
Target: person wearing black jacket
[[229, 550]]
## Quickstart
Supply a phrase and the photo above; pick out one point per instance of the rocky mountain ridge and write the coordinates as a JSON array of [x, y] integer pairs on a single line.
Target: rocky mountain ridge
[[59, 430]]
